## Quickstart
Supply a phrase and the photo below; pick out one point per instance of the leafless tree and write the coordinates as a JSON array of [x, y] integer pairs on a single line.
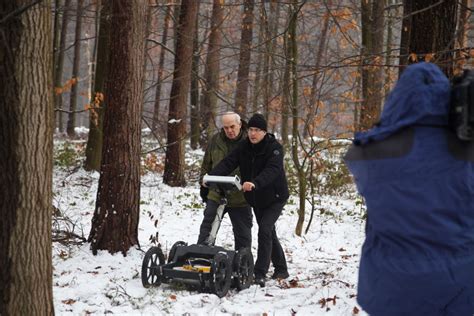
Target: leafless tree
[[115, 220]]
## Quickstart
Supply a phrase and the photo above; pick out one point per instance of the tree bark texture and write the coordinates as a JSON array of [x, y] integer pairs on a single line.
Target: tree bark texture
[[313, 107], [115, 220], [96, 112], [429, 28], [195, 117], [388, 50], [244, 59], [59, 65], [26, 138], [461, 35], [463, 25], [372, 61], [286, 82], [161, 63], [71, 121], [93, 59], [56, 31], [260, 52], [285, 100], [174, 161], [292, 56], [211, 75], [269, 64]]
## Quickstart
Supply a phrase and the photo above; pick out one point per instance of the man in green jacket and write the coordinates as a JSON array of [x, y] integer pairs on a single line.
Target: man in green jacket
[[239, 211]]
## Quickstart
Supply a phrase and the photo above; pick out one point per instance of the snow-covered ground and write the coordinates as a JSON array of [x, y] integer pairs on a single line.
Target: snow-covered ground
[[322, 263]]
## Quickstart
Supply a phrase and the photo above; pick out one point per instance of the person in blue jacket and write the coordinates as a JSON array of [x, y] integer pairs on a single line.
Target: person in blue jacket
[[417, 179]]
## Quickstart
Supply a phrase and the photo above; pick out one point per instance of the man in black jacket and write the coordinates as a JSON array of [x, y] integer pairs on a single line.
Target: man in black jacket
[[260, 159], [221, 144]]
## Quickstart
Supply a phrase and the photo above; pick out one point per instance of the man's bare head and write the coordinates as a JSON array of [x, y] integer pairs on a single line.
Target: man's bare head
[[231, 124]]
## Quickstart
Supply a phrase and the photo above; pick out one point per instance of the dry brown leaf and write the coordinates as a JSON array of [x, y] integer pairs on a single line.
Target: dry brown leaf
[[322, 302], [429, 57], [412, 57]]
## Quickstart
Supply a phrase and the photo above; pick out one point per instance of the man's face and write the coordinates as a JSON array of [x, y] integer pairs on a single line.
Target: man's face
[[256, 135], [231, 126]]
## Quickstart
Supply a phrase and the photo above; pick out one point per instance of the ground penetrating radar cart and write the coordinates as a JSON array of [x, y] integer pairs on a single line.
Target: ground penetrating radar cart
[[213, 268]]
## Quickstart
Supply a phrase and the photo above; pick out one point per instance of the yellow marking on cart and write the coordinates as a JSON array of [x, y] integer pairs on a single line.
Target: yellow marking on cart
[[197, 268]]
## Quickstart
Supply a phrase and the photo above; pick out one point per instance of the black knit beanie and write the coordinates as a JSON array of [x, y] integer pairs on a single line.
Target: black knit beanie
[[258, 121]]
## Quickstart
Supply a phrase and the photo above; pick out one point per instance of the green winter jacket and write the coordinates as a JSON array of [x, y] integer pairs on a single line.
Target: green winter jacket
[[219, 146]]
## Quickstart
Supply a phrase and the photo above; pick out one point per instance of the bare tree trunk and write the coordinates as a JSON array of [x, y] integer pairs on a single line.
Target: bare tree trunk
[[312, 106], [269, 65], [115, 221], [260, 53], [405, 35], [26, 137], [59, 65], [372, 70], [285, 104], [56, 32], [161, 63], [461, 36], [176, 13], [463, 26], [286, 84], [93, 61], [244, 60], [358, 93], [211, 75], [388, 50], [96, 112], [266, 57], [194, 95], [429, 30], [292, 63], [148, 26], [71, 122], [174, 161]]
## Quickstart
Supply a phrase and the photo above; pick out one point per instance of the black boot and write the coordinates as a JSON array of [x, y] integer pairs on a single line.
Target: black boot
[[280, 275], [259, 280]]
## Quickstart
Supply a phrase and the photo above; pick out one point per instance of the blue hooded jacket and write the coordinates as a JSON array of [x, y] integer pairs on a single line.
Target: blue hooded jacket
[[417, 179]]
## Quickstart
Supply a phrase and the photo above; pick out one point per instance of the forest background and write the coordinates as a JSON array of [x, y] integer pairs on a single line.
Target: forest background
[[318, 71]]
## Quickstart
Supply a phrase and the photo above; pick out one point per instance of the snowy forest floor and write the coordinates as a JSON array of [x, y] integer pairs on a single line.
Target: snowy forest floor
[[322, 263]]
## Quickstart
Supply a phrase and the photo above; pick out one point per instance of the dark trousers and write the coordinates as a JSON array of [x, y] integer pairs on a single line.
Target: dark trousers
[[240, 217], [269, 247]]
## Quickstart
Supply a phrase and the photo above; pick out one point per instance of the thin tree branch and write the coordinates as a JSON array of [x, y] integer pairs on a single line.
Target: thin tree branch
[[69, 112], [161, 45]]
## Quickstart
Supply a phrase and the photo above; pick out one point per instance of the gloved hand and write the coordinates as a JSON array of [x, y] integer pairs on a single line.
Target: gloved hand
[[203, 192]]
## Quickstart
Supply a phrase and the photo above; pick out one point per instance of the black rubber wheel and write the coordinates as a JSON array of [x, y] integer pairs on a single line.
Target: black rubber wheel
[[151, 275], [221, 270], [174, 248], [243, 269]]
